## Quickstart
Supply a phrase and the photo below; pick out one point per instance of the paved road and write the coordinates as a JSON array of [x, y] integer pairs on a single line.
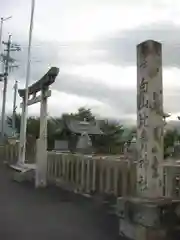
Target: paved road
[[29, 214]]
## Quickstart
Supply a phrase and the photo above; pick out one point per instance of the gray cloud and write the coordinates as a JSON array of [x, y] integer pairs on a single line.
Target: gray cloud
[[121, 47], [171, 98], [118, 99], [41, 59], [121, 100]]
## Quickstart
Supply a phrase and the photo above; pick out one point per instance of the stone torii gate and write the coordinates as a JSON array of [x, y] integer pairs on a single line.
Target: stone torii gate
[[149, 215], [42, 87]]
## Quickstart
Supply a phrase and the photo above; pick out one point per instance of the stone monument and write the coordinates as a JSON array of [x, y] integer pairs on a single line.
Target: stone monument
[[149, 119], [149, 215]]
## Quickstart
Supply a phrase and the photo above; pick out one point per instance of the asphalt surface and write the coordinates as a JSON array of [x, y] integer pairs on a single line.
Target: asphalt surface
[[30, 214]]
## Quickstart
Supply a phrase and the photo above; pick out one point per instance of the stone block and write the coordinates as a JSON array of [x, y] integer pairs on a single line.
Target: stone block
[[148, 218], [150, 234]]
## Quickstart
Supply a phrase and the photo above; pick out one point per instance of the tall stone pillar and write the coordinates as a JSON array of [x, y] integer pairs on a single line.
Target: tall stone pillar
[[41, 151], [149, 215], [149, 119]]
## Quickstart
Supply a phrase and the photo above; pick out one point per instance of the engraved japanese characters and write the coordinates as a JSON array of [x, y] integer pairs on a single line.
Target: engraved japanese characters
[[149, 117]]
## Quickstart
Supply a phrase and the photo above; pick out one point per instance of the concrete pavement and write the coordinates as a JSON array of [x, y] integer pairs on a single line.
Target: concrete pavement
[[29, 214]]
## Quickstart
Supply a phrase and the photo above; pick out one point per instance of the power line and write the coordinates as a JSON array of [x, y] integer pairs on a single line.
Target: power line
[[55, 44]]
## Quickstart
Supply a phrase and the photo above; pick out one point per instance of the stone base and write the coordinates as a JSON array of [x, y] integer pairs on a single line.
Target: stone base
[[148, 219], [23, 172]]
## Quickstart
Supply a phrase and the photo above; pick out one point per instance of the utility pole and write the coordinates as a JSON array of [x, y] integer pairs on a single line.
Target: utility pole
[[14, 108], [1, 32], [8, 45], [7, 59], [22, 145]]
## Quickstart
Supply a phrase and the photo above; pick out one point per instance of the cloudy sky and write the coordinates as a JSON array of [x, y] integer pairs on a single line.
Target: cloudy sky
[[93, 42]]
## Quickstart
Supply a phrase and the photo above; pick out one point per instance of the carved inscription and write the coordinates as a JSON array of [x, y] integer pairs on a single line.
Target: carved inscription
[[143, 146], [158, 134], [155, 167], [156, 105], [154, 149], [142, 106], [144, 136], [142, 100], [143, 86], [143, 120], [149, 106], [143, 65], [141, 163], [146, 161], [142, 182], [155, 163], [151, 55]]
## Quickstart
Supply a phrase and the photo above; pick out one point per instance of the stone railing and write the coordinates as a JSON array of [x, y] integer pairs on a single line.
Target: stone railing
[[87, 175], [172, 178], [102, 175], [9, 153], [92, 175]]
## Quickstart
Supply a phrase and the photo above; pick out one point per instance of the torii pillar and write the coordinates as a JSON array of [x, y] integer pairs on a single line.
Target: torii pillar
[[37, 92], [147, 215], [41, 151]]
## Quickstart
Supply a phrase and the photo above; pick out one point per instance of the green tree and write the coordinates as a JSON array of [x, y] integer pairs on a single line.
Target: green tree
[[33, 127], [54, 127], [111, 138], [17, 122], [32, 124], [112, 130], [170, 137], [84, 113]]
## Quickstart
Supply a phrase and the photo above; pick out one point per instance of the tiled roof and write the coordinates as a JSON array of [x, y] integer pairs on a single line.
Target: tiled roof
[[76, 126]]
